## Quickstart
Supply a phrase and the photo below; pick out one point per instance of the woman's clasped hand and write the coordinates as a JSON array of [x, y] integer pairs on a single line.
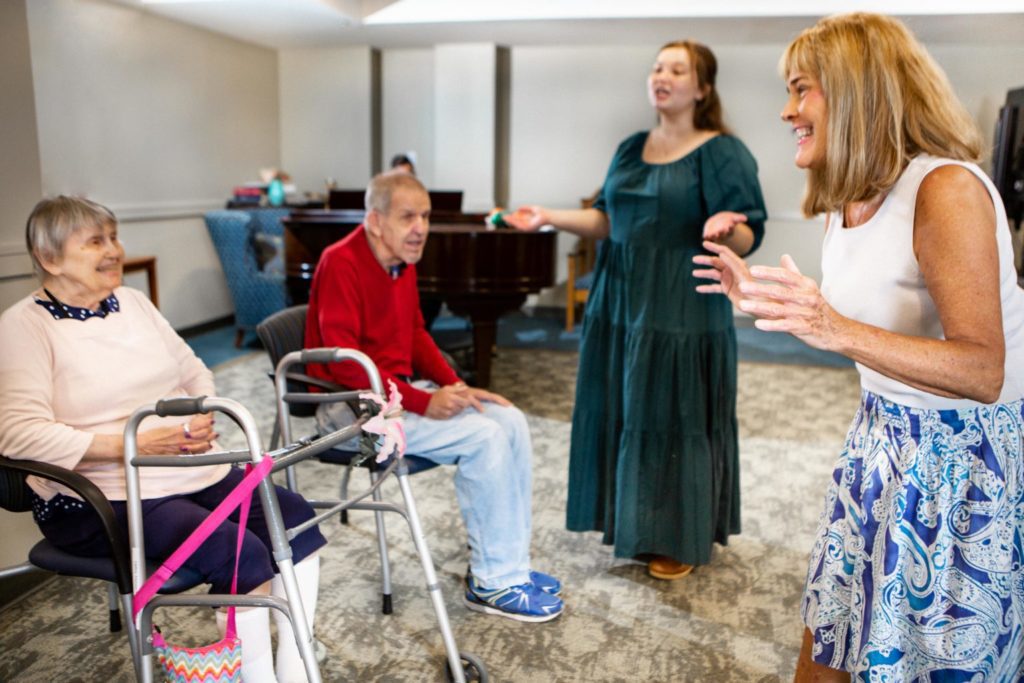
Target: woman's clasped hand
[[193, 437]]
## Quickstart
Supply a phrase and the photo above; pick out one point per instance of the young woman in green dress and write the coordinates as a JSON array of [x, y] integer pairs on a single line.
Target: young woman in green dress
[[654, 455]]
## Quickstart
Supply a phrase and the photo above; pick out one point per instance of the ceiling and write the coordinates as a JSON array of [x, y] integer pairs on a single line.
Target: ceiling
[[415, 23]]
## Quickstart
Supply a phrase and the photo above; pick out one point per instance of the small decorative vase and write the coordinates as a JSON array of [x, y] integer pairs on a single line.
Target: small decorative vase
[[275, 192]]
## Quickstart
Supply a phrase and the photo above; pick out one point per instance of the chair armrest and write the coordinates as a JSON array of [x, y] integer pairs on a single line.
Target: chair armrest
[[91, 494], [324, 384], [309, 380], [328, 387]]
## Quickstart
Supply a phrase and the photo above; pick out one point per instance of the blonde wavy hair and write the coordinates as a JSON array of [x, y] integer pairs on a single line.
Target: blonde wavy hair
[[886, 101]]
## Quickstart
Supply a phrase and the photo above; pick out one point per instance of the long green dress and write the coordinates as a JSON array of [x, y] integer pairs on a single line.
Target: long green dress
[[654, 454]]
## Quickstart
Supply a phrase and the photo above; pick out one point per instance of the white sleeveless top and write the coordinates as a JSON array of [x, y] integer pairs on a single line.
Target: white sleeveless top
[[872, 276]]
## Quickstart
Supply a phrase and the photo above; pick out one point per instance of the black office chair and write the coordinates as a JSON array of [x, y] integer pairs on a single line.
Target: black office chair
[[282, 333], [115, 570], [16, 496]]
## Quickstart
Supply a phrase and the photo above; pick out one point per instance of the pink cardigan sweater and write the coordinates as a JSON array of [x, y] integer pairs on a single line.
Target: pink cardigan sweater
[[62, 381]]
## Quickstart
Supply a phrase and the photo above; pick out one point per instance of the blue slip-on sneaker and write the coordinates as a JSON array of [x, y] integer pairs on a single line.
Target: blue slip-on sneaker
[[546, 582], [524, 602]]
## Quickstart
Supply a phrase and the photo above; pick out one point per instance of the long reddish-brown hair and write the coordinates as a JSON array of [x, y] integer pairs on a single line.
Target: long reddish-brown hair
[[707, 115]]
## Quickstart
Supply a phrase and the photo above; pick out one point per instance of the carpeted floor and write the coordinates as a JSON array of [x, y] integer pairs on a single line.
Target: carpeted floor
[[736, 619]]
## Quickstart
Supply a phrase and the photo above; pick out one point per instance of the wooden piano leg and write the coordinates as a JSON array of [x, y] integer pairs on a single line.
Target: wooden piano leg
[[484, 312], [485, 333]]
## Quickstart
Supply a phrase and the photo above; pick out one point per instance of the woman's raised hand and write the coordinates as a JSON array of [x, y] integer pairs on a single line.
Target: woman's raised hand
[[194, 436], [527, 218], [723, 267], [792, 304], [722, 224], [785, 300]]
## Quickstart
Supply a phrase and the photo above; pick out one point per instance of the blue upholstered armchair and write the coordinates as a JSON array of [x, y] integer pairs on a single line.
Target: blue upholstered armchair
[[267, 221], [256, 286]]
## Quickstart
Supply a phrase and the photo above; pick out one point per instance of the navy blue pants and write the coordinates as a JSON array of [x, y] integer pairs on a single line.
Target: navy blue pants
[[69, 524]]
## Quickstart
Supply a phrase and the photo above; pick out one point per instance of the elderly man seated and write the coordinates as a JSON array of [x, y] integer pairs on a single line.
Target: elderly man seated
[[364, 296]]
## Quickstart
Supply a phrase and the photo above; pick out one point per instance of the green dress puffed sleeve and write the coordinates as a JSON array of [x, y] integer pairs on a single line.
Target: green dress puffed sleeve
[[601, 201], [728, 182]]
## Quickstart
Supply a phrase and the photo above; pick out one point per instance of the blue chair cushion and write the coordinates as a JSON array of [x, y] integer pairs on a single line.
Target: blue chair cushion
[[585, 281], [269, 253], [47, 556]]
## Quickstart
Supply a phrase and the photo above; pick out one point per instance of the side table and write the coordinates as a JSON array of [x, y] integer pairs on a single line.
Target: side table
[[148, 264]]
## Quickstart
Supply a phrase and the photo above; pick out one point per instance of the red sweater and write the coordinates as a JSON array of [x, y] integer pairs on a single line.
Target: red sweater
[[354, 303]]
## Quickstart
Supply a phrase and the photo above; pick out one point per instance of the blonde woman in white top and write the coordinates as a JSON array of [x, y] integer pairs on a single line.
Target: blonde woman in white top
[[916, 573]]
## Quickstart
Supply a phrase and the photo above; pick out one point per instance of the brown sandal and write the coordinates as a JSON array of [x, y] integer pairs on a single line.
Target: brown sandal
[[668, 569]]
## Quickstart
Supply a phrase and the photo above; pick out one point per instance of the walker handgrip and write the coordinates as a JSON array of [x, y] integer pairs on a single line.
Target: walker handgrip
[[319, 355], [180, 406]]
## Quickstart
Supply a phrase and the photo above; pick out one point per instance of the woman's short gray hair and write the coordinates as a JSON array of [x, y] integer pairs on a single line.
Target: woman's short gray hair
[[54, 220]]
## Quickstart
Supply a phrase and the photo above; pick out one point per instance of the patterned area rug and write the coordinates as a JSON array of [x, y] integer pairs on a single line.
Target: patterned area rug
[[736, 619]]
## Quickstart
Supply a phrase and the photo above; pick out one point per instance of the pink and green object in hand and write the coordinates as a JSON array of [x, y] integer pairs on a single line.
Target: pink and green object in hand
[[496, 219]]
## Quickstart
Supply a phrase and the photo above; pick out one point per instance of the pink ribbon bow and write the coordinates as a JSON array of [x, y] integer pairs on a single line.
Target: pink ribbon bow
[[387, 423]]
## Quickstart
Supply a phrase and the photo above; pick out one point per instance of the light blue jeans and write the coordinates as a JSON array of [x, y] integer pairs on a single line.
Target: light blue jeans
[[493, 481]]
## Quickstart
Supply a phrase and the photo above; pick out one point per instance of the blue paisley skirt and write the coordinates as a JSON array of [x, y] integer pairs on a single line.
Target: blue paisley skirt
[[916, 572]]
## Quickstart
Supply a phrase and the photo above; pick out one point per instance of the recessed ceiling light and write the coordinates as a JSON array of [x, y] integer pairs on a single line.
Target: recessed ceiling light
[[440, 11]]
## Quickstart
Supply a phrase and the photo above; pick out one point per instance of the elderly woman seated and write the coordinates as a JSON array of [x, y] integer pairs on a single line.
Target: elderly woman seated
[[79, 355]]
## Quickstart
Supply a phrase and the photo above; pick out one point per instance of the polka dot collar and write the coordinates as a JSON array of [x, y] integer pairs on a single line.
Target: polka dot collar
[[61, 310]]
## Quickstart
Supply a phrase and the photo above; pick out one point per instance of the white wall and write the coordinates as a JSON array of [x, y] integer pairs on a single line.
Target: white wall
[[407, 103], [158, 121], [189, 275], [440, 103], [19, 189], [325, 116], [464, 122], [570, 109], [981, 74]]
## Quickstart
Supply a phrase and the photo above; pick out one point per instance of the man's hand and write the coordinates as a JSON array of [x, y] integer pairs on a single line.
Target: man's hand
[[451, 400], [477, 395], [447, 402]]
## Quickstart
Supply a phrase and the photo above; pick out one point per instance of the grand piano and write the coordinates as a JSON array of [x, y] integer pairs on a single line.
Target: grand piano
[[481, 273]]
